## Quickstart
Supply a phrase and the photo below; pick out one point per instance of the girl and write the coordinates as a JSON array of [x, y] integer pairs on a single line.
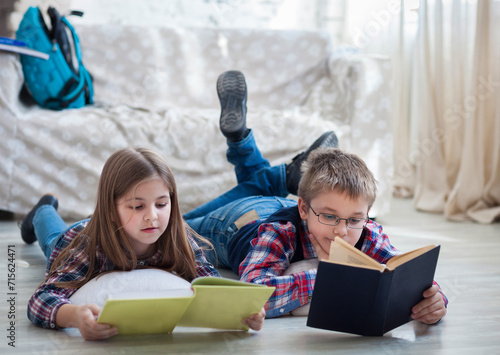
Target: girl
[[137, 223]]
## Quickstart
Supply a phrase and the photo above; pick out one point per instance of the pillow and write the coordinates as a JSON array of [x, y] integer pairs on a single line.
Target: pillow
[[303, 265], [97, 290]]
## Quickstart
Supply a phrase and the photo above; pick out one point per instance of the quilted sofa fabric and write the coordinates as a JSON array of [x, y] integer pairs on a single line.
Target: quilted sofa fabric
[[155, 87]]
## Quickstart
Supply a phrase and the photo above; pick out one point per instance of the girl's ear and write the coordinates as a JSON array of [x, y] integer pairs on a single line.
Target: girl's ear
[[303, 208]]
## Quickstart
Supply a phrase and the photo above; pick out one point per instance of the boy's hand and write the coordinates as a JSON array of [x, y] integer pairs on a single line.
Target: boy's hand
[[255, 321], [322, 254], [431, 309]]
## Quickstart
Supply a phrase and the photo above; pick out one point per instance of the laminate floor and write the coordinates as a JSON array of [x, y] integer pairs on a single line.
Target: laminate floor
[[468, 271]]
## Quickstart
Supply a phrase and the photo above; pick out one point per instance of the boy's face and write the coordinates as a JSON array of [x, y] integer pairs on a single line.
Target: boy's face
[[333, 203]]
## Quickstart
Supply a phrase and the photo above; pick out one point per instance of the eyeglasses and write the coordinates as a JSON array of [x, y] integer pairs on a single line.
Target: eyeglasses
[[333, 220]]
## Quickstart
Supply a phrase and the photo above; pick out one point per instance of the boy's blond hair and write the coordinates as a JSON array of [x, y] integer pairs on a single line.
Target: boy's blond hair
[[333, 169]]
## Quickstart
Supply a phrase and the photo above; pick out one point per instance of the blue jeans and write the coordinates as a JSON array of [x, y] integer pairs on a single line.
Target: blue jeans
[[49, 228], [260, 192]]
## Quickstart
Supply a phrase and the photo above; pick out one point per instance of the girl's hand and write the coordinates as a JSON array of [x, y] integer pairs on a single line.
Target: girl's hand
[[85, 319], [255, 321], [87, 323], [431, 309]]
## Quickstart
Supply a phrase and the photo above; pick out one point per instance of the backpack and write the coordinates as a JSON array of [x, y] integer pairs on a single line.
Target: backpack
[[61, 81]]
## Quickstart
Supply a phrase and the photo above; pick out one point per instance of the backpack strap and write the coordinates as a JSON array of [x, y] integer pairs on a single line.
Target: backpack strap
[[58, 34], [84, 81]]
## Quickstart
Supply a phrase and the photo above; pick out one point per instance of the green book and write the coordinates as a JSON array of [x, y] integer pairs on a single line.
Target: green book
[[209, 302]]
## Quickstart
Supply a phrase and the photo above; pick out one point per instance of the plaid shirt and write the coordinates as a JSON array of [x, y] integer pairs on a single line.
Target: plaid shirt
[[43, 305], [272, 251]]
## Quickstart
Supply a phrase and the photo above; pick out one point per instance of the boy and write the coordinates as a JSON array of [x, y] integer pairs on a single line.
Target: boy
[[258, 233]]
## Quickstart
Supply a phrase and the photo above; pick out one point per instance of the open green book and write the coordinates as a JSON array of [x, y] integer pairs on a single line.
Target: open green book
[[209, 302]]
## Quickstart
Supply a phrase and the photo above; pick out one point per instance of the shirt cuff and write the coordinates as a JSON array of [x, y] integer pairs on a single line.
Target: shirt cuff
[[279, 311], [52, 319]]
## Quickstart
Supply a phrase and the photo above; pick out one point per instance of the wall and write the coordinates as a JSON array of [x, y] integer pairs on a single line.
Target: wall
[[6, 7], [268, 14]]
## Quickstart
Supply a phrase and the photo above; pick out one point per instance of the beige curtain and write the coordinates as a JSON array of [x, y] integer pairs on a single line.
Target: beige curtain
[[446, 77], [457, 104]]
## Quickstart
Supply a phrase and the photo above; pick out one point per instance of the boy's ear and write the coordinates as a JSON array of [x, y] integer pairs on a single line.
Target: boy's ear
[[303, 208]]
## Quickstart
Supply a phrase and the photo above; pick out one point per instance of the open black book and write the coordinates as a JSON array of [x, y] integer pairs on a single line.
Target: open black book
[[356, 294]]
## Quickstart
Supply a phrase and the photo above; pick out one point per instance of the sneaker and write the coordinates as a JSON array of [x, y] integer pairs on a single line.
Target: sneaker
[[26, 226], [293, 173], [232, 92]]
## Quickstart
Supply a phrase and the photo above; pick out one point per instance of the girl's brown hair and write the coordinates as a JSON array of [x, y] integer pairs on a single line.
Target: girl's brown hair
[[125, 170]]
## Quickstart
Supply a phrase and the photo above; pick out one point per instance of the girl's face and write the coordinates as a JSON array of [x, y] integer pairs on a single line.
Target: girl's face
[[144, 214], [333, 203]]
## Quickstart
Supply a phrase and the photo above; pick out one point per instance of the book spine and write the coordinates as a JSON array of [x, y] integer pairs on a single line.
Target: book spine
[[381, 304]]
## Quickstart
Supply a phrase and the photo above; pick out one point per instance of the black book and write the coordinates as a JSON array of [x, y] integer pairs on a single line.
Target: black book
[[355, 294]]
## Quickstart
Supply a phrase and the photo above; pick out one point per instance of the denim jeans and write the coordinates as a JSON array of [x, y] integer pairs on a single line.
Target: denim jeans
[[261, 189], [49, 228]]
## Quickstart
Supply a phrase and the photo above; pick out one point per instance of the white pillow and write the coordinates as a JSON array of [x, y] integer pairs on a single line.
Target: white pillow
[[97, 290], [303, 265]]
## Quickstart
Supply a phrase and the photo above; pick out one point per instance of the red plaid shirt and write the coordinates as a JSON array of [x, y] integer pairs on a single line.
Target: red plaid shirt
[[272, 251]]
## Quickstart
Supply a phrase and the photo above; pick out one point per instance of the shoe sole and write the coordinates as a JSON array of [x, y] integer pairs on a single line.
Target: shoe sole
[[293, 175], [327, 139], [232, 92]]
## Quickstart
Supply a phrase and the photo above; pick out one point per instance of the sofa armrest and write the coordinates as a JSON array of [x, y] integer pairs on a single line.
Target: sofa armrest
[[11, 77]]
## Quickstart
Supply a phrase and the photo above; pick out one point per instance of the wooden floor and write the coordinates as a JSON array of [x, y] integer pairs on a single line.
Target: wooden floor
[[468, 271]]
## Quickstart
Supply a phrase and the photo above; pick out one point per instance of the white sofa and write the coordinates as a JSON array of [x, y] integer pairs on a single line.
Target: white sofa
[[155, 87]]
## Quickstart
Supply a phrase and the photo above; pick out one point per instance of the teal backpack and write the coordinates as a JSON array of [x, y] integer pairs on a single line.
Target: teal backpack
[[61, 81]]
